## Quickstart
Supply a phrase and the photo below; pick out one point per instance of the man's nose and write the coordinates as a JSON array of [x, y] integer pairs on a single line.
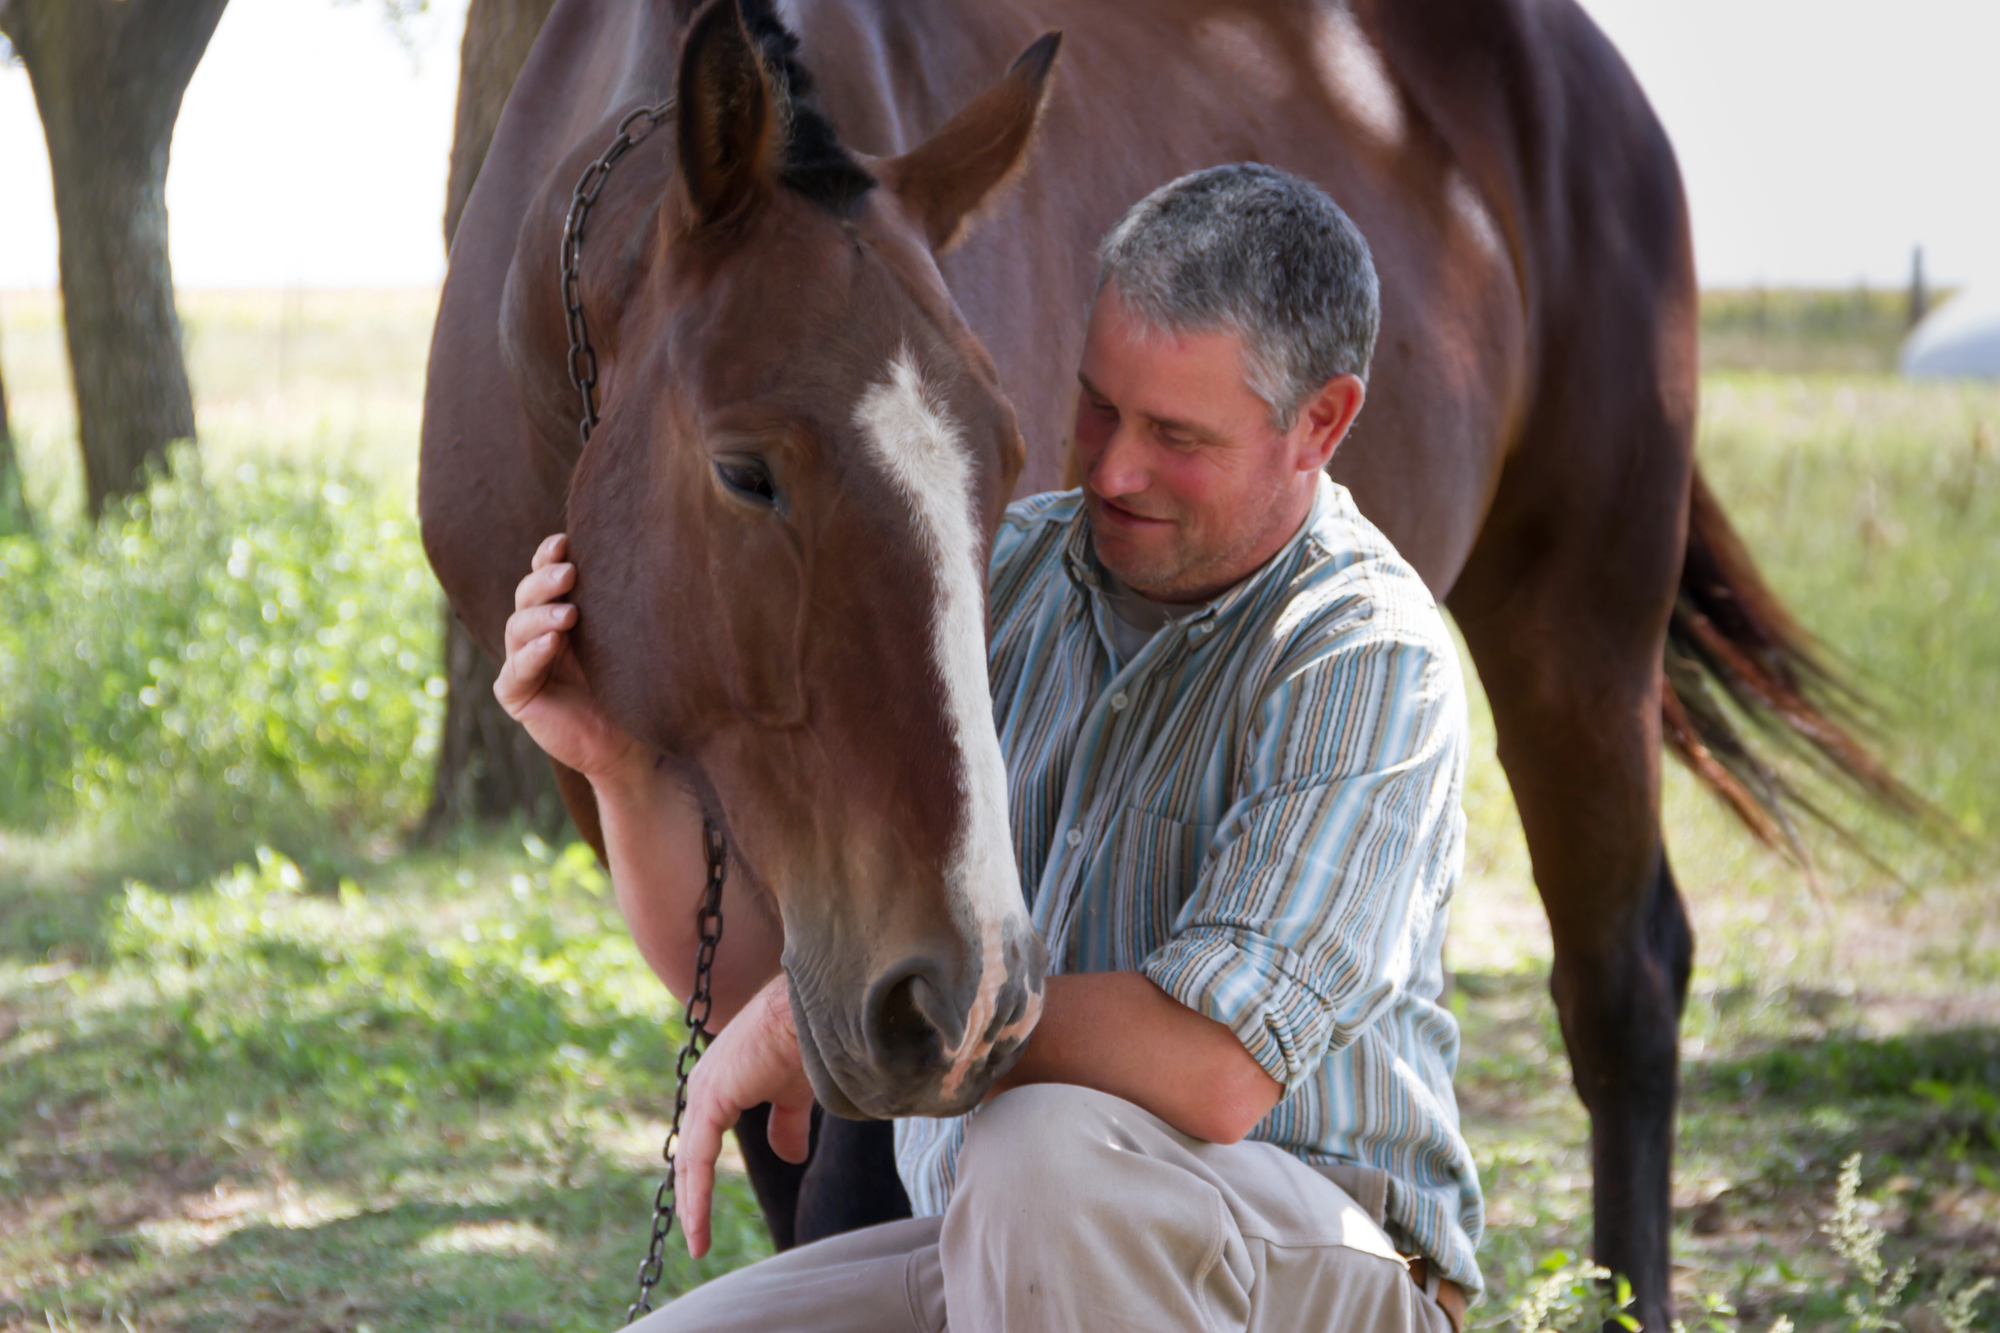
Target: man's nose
[[1121, 468]]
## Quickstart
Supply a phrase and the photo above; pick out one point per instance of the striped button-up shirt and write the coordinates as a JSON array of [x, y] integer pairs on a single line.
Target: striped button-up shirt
[[1260, 811]]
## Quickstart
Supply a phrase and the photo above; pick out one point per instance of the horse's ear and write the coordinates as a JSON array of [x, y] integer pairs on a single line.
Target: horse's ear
[[944, 180], [726, 123]]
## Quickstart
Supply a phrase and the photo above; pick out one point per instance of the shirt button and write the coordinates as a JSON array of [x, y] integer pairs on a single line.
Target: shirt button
[[1074, 837], [1118, 701]]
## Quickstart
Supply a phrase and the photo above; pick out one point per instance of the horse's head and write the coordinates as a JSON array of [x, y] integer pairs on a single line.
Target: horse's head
[[780, 530]]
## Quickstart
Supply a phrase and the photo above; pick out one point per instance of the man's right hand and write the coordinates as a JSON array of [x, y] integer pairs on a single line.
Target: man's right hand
[[542, 687]]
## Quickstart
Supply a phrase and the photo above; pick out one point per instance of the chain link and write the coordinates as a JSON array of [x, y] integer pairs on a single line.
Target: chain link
[[701, 1001], [582, 358]]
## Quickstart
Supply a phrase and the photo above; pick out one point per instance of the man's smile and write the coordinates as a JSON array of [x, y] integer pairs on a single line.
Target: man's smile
[[1117, 515]]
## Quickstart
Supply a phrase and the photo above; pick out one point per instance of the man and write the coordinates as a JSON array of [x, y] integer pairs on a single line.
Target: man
[[1235, 733]]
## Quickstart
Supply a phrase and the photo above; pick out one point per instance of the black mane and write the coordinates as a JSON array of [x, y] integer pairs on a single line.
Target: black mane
[[816, 165]]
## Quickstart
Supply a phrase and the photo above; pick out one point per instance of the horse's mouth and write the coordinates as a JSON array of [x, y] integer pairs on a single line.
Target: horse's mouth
[[848, 1085]]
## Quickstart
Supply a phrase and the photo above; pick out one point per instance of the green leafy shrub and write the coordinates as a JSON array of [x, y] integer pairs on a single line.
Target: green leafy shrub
[[340, 997], [229, 654], [1571, 1293]]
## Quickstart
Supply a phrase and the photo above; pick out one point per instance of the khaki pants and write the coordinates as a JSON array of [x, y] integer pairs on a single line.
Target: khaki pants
[[1076, 1210]]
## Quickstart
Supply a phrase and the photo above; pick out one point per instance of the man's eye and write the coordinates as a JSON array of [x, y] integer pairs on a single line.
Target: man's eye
[[748, 479]]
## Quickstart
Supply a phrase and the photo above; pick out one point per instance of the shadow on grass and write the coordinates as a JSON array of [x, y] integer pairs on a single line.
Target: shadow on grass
[[1838, 1067], [539, 1259], [1927, 1102], [58, 888]]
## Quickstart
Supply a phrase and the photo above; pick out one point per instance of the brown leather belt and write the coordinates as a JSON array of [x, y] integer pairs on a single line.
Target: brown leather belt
[[1450, 1296]]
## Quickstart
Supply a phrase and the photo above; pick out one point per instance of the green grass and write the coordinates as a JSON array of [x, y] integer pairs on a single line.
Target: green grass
[[427, 1097], [354, 1085], [1853, 1011]]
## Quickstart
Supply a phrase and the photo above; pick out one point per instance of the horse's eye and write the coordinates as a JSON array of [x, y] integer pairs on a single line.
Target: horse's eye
[[748, 479]]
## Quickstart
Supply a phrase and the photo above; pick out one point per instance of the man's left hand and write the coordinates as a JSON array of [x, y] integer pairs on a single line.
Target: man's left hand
[[755, 1059]]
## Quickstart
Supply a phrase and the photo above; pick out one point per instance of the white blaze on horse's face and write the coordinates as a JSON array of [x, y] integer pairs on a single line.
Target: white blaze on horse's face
[[920, 448]]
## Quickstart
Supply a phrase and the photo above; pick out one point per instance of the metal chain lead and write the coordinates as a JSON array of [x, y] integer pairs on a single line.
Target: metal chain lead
[[582, 359], [701, 1001]]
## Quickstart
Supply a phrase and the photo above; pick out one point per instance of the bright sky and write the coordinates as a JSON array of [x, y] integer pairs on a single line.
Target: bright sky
[[1820, 139]]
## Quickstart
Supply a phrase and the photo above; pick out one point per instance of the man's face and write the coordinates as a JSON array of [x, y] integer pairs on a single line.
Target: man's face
[[1188, 485]]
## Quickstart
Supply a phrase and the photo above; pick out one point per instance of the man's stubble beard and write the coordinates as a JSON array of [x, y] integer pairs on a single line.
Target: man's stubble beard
[[1189, 567]]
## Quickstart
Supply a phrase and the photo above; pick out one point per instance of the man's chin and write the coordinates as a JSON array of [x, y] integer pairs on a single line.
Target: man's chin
[[1139, 566], [1139, 563]]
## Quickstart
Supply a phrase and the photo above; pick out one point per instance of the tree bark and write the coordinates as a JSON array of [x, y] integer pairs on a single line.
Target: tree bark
[[487, 767], [14, 517], [498, 36], [108, 77]]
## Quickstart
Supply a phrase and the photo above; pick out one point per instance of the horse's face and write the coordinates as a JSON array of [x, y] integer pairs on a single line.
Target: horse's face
[[781, 530]]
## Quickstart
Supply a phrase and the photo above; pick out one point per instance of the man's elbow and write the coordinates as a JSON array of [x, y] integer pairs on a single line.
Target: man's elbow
[[1236, 1103]]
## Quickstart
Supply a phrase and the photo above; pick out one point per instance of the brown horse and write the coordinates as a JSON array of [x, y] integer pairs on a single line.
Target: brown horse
[[805, 339]]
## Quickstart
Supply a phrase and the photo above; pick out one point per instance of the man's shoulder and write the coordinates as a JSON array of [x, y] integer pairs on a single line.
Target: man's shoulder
[[1047, 516], [1029, 541], [1351, 587], [1353, 667]]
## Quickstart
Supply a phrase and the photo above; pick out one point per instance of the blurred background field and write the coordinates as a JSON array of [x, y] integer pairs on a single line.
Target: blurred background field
[[268, 1063]]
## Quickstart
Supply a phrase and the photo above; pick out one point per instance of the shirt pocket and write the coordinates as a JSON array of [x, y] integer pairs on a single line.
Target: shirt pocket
[[1154, 866]]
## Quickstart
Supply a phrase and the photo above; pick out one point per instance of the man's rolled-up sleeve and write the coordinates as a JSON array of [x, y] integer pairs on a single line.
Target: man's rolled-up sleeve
[[1326, 875]]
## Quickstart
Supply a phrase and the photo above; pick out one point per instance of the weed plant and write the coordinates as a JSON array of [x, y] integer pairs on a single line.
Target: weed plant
[[228, 660]]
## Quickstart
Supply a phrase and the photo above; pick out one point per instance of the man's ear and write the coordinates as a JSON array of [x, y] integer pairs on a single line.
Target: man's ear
[[726, 122], [944, 180], [1325, 418]]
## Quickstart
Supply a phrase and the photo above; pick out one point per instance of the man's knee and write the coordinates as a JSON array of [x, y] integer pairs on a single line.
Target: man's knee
[[1044, 1122], [1073, 1196], [1060, 1146]]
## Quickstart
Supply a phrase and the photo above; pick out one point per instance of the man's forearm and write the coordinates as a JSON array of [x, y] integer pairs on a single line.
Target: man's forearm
[[659, 871], [1119, 1033]]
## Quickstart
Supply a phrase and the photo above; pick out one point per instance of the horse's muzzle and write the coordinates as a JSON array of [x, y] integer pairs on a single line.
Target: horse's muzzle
[[928, 1039]]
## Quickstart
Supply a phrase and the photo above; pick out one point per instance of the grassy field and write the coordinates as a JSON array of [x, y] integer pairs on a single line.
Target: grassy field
[[345, 1084]]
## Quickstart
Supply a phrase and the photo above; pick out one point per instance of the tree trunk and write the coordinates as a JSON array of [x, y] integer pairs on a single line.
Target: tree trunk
[[498, 36], [14, 517], [108, 77], [487, 767]]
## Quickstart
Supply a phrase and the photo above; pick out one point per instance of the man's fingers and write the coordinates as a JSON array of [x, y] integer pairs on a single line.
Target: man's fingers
[[544, 585], [525, 671], [790, 1132], [694, 1178], [550, 549], [524, 627]]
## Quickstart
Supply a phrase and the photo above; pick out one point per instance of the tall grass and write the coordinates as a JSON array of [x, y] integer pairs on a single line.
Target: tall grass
[[1857, 331], [1874, 506]]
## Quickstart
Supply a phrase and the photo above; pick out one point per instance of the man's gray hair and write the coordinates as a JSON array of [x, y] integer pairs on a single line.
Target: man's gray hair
[[1252, 251]]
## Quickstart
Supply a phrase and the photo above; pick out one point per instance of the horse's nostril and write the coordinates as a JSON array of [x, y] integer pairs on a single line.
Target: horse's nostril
[[910, 1022]]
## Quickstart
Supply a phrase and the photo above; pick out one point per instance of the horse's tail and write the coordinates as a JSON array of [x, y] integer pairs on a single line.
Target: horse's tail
[[1731, 637]]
